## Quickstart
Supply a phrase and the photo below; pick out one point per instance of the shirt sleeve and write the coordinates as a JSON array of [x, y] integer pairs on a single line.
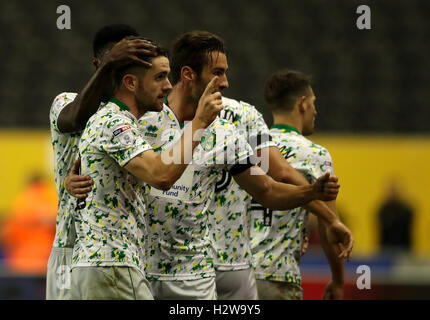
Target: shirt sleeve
[[60, 101], [225, 147], [245, 156], [122, 140], [322, 163]]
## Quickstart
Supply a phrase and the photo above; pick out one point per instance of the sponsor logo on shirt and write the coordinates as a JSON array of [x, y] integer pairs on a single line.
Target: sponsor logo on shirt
[[287, 153], [228, 115], [328, 163], [121, 130]]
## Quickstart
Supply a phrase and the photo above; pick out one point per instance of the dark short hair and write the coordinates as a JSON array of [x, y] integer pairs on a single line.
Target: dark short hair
[[110, 34], [159, 50], [284, 87], [119, 73], [192, 49]]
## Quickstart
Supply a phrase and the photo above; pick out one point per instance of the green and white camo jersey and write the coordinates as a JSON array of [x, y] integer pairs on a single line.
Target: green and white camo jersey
[[179, 244], [65, 146], [229, 220], [277, 236], [111, 228]]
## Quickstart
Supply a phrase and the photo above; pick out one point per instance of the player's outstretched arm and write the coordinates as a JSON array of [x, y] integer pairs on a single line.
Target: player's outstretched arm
[[334, 289], [282, 171], [163, 170], [76, 114], [280, 196]]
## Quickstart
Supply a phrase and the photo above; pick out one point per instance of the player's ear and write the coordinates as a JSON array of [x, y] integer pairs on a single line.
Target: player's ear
[[129, 81], [301, 104], [187, 73]]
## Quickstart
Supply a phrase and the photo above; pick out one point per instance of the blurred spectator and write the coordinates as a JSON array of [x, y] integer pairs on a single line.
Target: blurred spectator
[[29, 229], [395, 220]]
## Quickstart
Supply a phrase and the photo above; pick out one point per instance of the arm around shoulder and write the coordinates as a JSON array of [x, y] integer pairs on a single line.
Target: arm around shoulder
[[149, 168]]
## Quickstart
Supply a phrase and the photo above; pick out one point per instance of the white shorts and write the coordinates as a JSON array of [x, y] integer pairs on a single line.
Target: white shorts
[[109, 283], [199, 289], [58, 274], [236, 285]]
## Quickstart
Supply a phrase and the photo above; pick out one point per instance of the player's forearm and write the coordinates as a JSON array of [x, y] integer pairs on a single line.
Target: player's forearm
[[182, 151], [174, 161], [281, 196], [292, 176], [282, 171], [288, 174], [321, 210], [75, 116], [336, 263]]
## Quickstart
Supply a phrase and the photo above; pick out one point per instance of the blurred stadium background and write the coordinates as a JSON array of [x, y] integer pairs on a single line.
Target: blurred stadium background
[[372, 98]]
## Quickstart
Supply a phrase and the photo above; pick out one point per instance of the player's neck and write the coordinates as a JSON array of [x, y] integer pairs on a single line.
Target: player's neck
[[181, 104], [130, 102], [290, 119]]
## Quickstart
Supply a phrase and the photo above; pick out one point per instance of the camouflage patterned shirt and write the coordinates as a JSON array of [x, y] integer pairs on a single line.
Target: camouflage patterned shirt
[[111, 228], [277, 236], [179, 245], [229, 220], [65, 146]]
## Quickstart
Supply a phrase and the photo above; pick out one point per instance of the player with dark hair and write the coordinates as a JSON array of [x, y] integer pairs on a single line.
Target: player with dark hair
[[180, 261], [68, 115], [107, 36], [193, 49], [109, 253], [277, 237]]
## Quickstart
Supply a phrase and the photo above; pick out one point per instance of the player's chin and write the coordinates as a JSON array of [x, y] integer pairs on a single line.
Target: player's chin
[[158, 104], [160, 100]]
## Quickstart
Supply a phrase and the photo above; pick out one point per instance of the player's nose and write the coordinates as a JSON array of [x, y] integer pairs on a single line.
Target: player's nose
[[224, 83], [167, 85]]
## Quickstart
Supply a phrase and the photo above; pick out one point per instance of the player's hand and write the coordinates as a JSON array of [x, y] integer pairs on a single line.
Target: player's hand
[[326, 187], [77, 185], [341, 238], [333, 291], [210, 103], [127, 51]]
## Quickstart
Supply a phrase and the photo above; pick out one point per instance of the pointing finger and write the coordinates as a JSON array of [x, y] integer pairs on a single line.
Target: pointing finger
[[211, 87]]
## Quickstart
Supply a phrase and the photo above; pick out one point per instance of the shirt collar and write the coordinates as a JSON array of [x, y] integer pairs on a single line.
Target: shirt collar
[[122, 106], [285, 127]]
